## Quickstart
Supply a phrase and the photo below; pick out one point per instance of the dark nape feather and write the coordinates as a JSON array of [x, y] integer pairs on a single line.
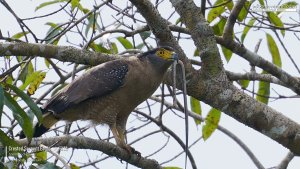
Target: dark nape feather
[[148, 53], [167, 48]]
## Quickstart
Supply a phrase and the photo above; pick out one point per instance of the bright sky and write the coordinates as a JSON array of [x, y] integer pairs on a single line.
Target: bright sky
[[219, 151]]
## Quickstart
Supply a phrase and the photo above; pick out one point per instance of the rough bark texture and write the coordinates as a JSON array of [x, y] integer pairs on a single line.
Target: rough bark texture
[[210, 84], [80, 142], [61, 53], [221, 94]]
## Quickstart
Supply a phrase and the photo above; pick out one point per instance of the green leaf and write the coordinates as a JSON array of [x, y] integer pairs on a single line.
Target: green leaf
[[263, 92], [92, 22], [178, 21], [49, 3], [100, 48], [19, 114], [26, 71], [140, 46], [229, 5], [9, 79], [244, 83], [215, 12], [114, 48], [196, 107], [276, 21], [84, 10], [196, 52], [6, 141], [227, 53], [219, 27], [36, 83], [247, 28], [54, 30], [244, 12], [33, 106], [144, 35], [19, 35], [1, 101], [73, 166], [172, 168], [41, 156], [126, 43], [30, 78], [287, 5], [262, 3], [211, 123], [74, 4], [272, 46], [48, 165], [46, 62]]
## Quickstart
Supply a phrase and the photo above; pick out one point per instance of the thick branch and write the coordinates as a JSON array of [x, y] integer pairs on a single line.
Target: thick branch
[[213, 87], [227, 98], [61, 53], [286, 161], [160, 28], [202, 35], [228, 29], [80, 142]]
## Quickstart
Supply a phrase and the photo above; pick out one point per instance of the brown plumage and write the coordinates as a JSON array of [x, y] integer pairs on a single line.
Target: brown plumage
[[108, 93]]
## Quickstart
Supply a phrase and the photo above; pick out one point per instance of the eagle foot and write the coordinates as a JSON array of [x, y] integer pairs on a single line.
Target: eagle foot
[[131, 151]]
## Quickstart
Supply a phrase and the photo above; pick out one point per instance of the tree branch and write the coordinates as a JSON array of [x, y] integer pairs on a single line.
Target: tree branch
[[228, 29], [256, 60], [61, 53], [159, 27], [212, 86], [285, 162], [222, 129], [224, 97], [80, 142]]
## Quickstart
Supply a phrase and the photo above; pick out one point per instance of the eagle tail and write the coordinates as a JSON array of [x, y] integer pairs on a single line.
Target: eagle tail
[[39, 129]]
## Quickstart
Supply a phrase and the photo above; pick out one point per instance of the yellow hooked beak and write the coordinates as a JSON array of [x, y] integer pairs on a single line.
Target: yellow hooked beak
[[167, 54]]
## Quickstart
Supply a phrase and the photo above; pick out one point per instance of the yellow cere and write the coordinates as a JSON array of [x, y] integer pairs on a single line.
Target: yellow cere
[[164, 53]]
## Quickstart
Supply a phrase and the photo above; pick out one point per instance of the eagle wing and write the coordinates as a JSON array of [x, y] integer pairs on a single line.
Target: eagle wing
[[98, 81]]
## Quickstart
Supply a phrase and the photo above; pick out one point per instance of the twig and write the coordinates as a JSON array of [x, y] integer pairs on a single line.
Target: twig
[[173, 158], [222, 129], [243, 146], [285, 162], [287, 52], [166, 129], [79, 20], [56, 155]]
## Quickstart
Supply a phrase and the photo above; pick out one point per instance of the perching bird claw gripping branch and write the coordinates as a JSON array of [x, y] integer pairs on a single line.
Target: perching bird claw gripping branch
[[109, 92]]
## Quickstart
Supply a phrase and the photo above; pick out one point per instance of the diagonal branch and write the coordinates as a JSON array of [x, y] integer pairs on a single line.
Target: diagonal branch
[[159, 27], [80, 142], [212, 86], [228, 29], [226, 98], [286, 161], [256, 60]]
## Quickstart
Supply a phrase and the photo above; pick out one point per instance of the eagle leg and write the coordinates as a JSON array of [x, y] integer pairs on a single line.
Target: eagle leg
[[119, 134]]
